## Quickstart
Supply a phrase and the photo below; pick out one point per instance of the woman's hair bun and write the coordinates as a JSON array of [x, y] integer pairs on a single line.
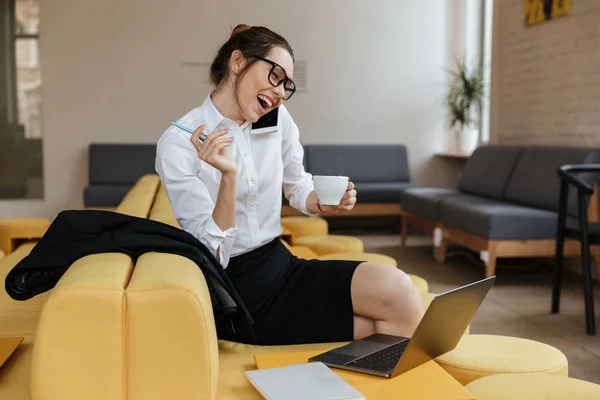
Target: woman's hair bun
[[239, 28]]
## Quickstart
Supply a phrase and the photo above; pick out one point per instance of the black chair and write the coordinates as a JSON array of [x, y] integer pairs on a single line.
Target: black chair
[[582, 230]]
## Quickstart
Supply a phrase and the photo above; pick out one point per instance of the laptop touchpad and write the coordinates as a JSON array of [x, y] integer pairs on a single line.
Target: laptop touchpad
[[360, 348]]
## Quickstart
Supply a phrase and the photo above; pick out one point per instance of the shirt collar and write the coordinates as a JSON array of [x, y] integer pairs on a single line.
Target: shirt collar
[[213, 118]]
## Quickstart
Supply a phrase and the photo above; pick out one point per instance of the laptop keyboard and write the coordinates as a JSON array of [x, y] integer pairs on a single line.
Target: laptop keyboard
[[384, 360]]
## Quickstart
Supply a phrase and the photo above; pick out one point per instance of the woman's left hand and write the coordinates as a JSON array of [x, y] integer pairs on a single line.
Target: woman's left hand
[[346, 204]]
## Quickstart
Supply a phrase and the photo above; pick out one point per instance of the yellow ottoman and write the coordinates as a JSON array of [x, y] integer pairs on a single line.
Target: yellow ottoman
[[478, 356], [16, 230], [533, 387], [327, 244], [305, 226]]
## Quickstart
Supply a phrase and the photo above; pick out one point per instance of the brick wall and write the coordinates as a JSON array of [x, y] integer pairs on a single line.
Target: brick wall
[[546, 78]]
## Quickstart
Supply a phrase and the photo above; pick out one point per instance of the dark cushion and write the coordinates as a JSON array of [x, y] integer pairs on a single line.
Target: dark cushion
[[119, 164], [497, 220], [104, 195], [424, 202], [362, 163], [488, 170], [381, 192], [535, 182]]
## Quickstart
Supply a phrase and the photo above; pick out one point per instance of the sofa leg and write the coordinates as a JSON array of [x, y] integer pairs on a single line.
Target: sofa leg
[[489, 258], [404, 230], [440, 244]]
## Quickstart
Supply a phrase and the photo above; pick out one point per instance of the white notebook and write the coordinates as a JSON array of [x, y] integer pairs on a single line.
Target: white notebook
[[314, 381]]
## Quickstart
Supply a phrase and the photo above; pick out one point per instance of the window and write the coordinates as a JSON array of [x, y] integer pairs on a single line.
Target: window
[[20, 100], [478, 49]]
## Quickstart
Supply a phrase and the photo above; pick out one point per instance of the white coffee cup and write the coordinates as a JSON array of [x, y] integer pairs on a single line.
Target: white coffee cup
[[330, 189]]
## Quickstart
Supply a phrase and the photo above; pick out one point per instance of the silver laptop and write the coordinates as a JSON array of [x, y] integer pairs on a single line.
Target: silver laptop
[[439, 331]]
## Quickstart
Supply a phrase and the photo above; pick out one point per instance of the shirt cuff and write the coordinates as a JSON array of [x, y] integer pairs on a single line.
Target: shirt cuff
[[218, 239], [299, 200]]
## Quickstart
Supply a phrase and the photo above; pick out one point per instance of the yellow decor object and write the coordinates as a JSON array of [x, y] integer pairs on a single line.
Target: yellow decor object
[[533, 387], [327, 244], [477, 356], [539, 11]]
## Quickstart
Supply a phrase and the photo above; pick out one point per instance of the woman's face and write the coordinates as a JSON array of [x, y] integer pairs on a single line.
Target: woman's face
[[256, 95]]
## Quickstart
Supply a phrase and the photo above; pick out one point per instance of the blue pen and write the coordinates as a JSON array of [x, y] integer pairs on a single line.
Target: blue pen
[[183, 128]]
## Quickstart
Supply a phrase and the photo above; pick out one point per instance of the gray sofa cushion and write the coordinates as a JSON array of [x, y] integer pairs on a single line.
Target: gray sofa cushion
[[362, 163], [120, 164], [424, 202], [488, 170], [497, 220], [381, 192], [535, 182], [104, 195]]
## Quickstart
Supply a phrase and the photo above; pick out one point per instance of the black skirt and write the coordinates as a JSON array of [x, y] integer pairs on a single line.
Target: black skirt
[[292, 300]]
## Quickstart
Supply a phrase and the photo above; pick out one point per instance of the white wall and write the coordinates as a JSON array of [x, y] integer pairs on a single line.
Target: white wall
[[113, 72]]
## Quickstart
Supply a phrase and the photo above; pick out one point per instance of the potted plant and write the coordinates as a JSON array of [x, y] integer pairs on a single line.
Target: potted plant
[[464, 101]]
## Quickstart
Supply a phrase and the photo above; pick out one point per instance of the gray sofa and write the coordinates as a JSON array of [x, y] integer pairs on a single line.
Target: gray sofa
[[114, 169], [380, 172], [506, 204]]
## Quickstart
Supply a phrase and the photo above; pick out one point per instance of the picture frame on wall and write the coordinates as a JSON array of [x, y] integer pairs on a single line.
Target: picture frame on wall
[[540, 11]]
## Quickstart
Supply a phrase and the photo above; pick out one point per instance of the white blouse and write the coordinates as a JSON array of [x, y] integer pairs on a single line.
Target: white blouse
[[265, 161]]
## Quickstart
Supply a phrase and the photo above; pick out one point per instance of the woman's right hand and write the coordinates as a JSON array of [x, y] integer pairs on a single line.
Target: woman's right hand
[[214, 150]]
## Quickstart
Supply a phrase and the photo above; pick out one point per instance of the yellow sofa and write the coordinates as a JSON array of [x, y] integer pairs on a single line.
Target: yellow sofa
[[112, 329]]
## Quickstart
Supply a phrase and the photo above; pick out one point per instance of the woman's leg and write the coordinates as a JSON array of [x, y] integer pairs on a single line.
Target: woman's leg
[[385, 301]]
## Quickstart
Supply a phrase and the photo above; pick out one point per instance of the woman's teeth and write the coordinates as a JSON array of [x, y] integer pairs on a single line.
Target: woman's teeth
[[265, 100]]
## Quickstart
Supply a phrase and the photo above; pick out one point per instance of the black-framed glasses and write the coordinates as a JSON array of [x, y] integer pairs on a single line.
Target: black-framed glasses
[[277, 76]]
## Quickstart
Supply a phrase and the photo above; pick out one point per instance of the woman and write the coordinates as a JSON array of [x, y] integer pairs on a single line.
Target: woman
[[224, 183]]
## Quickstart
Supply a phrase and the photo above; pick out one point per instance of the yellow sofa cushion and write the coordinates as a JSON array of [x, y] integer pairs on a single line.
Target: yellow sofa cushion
[[78, 352], [477, 356], [171, 331], [533, 387], [139, 199], [161, 209], [14, 231], [327, 244]]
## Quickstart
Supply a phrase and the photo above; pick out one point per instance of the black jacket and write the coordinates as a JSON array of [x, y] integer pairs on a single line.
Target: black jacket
[[78, 233]]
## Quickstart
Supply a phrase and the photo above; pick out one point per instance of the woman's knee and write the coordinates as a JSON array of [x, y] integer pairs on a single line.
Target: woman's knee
[[391, 288]]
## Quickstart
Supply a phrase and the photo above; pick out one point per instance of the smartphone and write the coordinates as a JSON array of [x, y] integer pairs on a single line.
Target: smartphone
[[267, 123]]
